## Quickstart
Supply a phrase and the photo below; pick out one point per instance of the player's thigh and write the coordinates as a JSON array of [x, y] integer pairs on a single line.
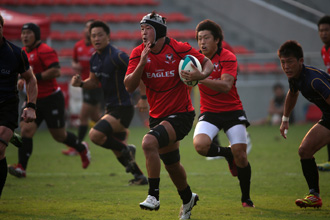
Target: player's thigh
[[204, 133], [317, 137]]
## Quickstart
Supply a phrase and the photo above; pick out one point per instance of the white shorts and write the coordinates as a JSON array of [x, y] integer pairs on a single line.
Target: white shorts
[[236, 134]]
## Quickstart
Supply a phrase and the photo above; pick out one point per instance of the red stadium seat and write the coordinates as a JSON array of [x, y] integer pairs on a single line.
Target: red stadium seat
[[66, 52], [56, 35], [92, 16], [124, 35], [72, 35], [176, 17], [74, 17], [40, 15], [241, 50], [43, 2], [58, 17], [80, 2], [272, 67], [109, 17], [126, 17], [62, 2]]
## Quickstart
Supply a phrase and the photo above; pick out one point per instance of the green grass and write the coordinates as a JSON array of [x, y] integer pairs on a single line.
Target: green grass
[[57, 187]]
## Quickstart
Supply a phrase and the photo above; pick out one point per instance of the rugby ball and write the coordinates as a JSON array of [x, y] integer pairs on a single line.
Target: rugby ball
[[185, 64]]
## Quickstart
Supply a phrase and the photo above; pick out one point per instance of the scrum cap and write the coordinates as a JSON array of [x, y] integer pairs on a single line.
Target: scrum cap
[[157, 22], [33, 27]]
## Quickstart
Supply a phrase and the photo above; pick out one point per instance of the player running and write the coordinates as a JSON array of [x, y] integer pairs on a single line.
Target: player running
[[156, 62], [314, 85], [108, 67], [13, 61], [50, 101], [221, 108]]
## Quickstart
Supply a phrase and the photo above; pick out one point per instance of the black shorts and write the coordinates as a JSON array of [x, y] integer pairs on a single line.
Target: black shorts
[[52, 110], [325, 121], [93, 96], [9, 113], [225, 120], [124, 113], [181, 122]]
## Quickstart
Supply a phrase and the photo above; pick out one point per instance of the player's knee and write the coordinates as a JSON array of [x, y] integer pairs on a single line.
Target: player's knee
[[201, 146], [161, 135], [304, 153], [170, 157], [96, 136], [149, 143]]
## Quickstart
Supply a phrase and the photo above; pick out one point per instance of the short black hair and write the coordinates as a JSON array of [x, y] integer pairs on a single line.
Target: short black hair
[[291, 48], [210, 25], [101, 24], [324, 20], [1, 20]]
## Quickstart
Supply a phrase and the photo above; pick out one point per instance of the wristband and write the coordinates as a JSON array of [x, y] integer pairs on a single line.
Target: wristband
[[31, 105], [284, 118], [38, 76], [144, 97], [81, 84]]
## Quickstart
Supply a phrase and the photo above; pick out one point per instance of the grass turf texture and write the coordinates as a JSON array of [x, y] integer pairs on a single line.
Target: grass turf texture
[[57, 187]]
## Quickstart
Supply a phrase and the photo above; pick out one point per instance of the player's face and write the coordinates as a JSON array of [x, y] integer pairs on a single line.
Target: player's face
[[99, 38], [206, 42], [324, 32], [291, 66], [147, 34], [28, 38]]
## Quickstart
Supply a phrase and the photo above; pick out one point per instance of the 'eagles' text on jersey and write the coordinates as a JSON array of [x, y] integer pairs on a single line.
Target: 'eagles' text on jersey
[[166, 93]]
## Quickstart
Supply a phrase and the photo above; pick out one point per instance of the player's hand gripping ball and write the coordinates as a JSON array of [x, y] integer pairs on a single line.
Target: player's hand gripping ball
[[185, 64]]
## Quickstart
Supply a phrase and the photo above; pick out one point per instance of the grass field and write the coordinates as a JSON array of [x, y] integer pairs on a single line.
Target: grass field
[[57, 187]]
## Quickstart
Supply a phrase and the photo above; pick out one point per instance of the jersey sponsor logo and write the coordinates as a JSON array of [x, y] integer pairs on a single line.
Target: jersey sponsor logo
[[31, 58], [161, 74], [5, 72], [169, 58]]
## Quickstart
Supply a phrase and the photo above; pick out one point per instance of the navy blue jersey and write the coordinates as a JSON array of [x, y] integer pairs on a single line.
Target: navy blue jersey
[[13, 61], [314, 85], [110, 68]]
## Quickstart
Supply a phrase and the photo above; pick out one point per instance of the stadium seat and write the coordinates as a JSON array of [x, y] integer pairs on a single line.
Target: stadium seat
[[74, 17], [56, 35], [109, 17], [43, 2], [254, 68], [72, 35], [62, 2], [40, 15], [66, 52], [126, 17], [80, 2], [239, 49], [176, 17], [313, 113], [272, 67], [57, 17], [92, 16]]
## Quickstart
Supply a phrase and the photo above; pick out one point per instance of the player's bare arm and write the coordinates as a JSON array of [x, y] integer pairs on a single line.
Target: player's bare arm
[[29, 114], [289, 104], [132, 81], [76, 66], [91, 83], [224, 85]]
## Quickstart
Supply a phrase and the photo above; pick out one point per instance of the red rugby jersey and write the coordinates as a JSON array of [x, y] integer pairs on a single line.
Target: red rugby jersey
[[224, 61], [166, 93], [42, 58], [326, 57], [82, 53]]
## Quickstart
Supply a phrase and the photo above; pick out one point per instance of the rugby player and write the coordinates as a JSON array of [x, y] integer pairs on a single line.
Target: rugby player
[[314, 85], [108, 67], [50, 101], [156, 62]]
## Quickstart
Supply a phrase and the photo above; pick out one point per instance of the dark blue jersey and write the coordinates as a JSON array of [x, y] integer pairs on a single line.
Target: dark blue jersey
[[110, 68], [13, 61], [314, 85]]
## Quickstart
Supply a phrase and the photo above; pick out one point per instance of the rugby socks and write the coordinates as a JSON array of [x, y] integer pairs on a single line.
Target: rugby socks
[[25, 151], [135, 169], [311, 174], [329, 152], [185, 195], [216, 150], [244, 177], [114, 144], [3, 174], [154, 187], [72, 141], [82, 130]]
